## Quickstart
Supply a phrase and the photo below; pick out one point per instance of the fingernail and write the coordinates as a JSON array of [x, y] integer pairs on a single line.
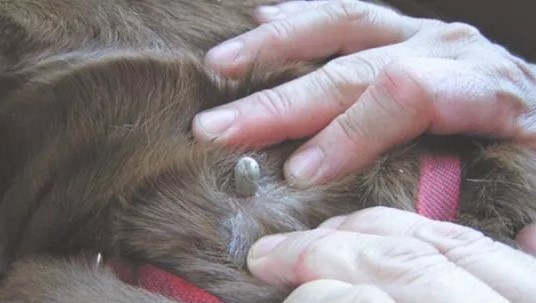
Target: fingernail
[[265, 245], [303, 166], [269, 12], [215, 123], [227, 52]]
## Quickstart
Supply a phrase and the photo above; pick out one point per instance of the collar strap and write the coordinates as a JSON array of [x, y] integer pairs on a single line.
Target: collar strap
[[439, 187], [158, 281]]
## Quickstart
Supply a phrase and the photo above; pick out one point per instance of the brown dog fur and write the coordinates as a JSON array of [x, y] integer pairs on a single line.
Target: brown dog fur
[[97, 101]]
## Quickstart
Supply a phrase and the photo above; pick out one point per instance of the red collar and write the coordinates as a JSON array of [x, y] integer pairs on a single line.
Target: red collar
[[156, 280], [437, 198], [439, 187]]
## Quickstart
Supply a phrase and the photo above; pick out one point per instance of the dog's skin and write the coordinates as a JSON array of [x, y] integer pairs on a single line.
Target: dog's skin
[[97, 97]]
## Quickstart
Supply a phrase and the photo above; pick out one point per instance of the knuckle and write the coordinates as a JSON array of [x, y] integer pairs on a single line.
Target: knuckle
[[410, 251], [273, 102], [509, 78], [278, 30], [352, 70], [404, 89], [336, 73], [403, 259], [360, 10], [353, 12], [457, 31], [457, 232], [431, 23], [460, 238], [460, 245], [351, 9], [319, 249], [343, 78], [334, 79], [352, 129], [328, 247], [509, 70], [515, 75]]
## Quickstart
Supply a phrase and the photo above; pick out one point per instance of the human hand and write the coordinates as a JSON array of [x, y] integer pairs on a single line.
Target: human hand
[[388, 255], [396, 77]]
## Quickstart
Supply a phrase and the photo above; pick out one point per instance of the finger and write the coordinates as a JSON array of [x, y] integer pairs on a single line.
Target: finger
[[339, 27], [526, 239], [467, 248], [410, 97], [407, 269], [265, 14], [300, 107], [330, 291], [514, 76]]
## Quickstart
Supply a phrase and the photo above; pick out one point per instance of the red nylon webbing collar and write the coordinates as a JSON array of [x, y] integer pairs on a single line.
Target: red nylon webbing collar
[[439, 187], [156, 280]]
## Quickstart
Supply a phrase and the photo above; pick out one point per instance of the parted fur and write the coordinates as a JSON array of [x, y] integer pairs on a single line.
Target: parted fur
[[97, 97]]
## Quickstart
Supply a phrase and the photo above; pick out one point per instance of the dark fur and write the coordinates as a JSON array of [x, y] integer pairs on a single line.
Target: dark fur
[[97, 101]]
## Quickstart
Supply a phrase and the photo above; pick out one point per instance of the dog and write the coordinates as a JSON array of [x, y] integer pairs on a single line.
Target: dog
[[98, 159]]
